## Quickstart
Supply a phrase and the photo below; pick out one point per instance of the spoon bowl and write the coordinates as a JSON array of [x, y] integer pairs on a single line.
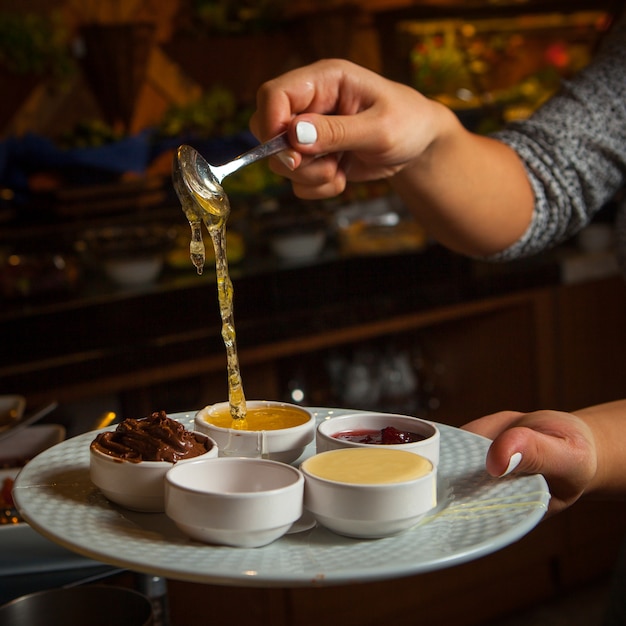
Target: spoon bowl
[[194, 177], [203, 181], [198, 187], [194, 214], [191, 208]]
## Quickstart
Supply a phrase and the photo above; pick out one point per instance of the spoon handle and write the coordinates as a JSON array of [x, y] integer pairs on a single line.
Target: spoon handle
[[262, 151], [31, 419]]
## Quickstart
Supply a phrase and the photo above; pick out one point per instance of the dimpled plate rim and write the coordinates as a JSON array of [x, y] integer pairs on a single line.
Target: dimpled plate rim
[[475, 516]]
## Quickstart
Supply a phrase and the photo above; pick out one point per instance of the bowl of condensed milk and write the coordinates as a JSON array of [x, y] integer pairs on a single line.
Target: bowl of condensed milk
[[369, 492]]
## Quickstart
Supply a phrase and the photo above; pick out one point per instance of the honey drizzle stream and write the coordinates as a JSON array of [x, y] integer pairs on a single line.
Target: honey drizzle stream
[[196, 246], [214, 215]]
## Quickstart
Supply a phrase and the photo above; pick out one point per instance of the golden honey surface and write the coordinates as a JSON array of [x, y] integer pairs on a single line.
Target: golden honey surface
[[262, 418]]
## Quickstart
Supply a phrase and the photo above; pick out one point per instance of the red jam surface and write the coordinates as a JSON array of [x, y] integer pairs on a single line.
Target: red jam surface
[[386, 436]]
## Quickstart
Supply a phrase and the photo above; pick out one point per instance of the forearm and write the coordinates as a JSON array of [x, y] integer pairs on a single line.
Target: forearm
[[470, 192], [608, 425]]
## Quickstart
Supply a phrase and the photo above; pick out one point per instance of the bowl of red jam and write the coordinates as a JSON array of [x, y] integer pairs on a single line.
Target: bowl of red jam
[[375, 430]]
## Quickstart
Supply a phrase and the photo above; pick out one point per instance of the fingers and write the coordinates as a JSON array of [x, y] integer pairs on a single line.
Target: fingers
[[515, 449], [511, 446], [492, 425], [330, 150], [323, 177], [546, 440], [302, 102], [315, 164], [315, 134], [329, 108], [344, 122], [560, 446], [568, 464], [312, 178], [316, 167], [314, 88]]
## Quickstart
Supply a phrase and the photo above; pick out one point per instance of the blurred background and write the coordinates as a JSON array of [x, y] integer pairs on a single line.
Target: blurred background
[[343, 303]]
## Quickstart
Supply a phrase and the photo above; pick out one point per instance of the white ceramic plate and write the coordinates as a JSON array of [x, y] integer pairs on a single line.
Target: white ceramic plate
[[23, 550], [476, 515]]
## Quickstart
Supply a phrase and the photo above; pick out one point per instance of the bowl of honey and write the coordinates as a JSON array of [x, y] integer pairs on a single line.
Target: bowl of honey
[[374, 430], [278, 431], [369, 493]]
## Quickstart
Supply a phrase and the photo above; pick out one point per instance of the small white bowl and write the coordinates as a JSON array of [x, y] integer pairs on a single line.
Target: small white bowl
[[239, 502], [369, 493], [134, 271], [136, 486], [298, 246], [26, 444], [11, 410], [282, 444], [325, 438]]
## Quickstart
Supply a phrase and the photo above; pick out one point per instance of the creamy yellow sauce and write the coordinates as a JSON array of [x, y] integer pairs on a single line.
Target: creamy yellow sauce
[[365, 466], [261, 418]]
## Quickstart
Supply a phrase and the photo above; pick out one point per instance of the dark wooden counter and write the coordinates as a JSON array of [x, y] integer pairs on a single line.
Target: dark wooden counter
[[104, 339]]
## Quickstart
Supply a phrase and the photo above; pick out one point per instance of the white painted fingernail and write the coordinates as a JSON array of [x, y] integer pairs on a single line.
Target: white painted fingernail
[[306, 133], [287, 160], [514, 461]]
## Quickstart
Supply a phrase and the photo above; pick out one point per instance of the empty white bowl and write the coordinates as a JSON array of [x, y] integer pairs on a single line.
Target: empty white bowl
[[369, 493], [136, 486], [427, 446], [239, 502], [277, 444]]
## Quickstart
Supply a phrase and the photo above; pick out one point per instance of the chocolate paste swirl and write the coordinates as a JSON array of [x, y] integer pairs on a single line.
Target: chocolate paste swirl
[[154, 438]]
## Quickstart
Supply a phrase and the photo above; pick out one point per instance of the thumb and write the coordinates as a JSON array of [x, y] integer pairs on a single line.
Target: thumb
[[558, 445], [567, 464], [564, 454], [514, 449], [315, 134]]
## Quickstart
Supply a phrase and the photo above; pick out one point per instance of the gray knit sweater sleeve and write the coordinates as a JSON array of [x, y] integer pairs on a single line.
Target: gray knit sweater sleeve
[[574, 149]]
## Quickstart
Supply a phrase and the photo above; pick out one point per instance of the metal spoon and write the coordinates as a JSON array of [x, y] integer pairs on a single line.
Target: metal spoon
[[189, 204], [194, 214], [204, 179], [13, 413], [28, 420]]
